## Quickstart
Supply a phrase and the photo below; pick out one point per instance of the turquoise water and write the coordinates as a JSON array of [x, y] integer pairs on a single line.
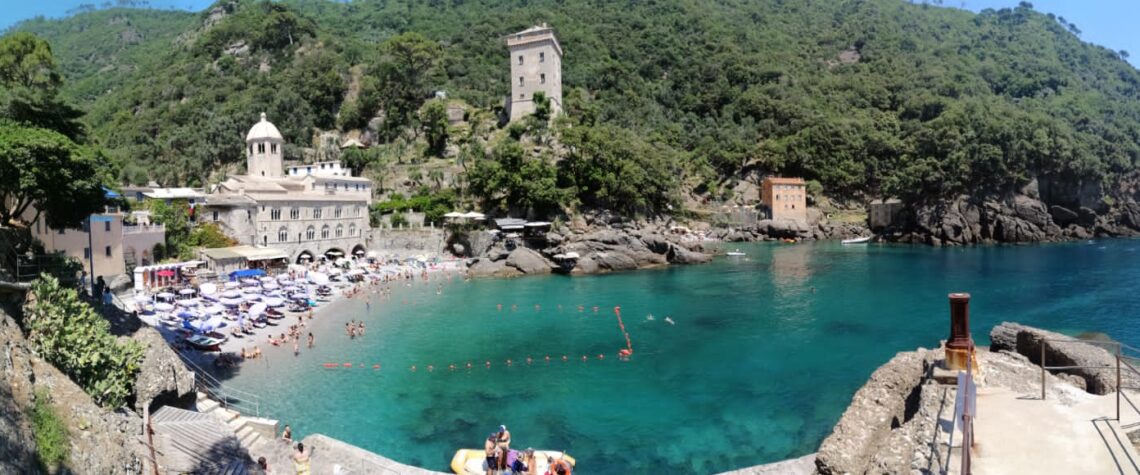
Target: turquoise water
[[763, 358]]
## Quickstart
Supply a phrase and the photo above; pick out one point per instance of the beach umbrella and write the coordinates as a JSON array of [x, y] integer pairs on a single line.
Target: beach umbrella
[[231, 302], [186, 314], [166, 295], [265, 278], [292, 288], [250, 281], [257, 309], [214, 323], [232, 285], [186, 292], [165, 273], [141, 298], [163, 306], [318, 278], [213, 309], [275, 301], [251, 297], [188, 302], [286, 282], [207, 289], [270, 286], [231, 294]]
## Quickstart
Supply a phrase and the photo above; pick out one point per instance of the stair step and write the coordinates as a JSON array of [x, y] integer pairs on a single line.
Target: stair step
[[238, 424], [202, 395], [207, 405], [226, 415], [249, 438]]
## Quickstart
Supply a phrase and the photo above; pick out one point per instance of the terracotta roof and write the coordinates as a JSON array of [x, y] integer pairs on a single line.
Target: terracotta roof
[[785, 181]]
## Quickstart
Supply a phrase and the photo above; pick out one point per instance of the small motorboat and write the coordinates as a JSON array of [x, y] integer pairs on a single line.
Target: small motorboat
[[735, 252], [858, 240], [205, 343], [473, 461]]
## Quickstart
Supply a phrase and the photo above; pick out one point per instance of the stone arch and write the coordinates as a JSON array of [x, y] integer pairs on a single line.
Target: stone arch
[[304, 257], [359, 250], [333, 253], [145, 260]]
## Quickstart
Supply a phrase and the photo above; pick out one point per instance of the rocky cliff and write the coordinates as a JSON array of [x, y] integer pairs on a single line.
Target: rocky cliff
[[603, 244], [100, 441]]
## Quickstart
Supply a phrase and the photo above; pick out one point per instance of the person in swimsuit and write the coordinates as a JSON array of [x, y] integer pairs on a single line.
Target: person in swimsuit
[[301, 460], [558, 467], [490, 446], [310, 339], [287, 434]]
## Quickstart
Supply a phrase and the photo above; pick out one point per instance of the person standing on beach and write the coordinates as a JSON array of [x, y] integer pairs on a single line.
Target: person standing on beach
[[301, 460], [297, 347], [310, 339]]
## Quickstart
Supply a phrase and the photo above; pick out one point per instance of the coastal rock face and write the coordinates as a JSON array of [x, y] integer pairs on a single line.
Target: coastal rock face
[[163, 379], [528, 261], [885, 402], [101, 441], [1060, 350]]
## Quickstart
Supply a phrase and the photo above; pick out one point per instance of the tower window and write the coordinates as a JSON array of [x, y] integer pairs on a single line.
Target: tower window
[[521, 81], [520, 59], [522, 96], [541, 57], [542, 79], [260, 148], [107, 251], [273, 148]]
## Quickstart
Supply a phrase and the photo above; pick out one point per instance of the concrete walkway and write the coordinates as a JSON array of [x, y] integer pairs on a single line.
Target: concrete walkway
[[1018, 433]]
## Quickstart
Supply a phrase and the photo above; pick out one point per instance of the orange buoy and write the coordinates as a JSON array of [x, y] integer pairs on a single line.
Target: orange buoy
[[348, 365], [331, 365], [375, 366], [500, 307], [625, 352]]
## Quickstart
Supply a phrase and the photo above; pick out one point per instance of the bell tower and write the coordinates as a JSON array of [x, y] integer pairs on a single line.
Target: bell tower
[[264, 150]]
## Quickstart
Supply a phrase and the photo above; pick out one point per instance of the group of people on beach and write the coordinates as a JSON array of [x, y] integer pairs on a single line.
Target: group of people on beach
[[502, 459]]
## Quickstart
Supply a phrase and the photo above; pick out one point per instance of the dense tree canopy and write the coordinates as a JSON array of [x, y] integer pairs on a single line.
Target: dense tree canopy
[[867, 97]]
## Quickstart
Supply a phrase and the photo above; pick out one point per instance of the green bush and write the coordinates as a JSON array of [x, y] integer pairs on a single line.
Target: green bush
[[51, 434], [70, 335], [398, 220]]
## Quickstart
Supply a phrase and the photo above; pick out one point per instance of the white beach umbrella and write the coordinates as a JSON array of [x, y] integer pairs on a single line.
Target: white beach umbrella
[[257, 309], [213, 309], [249, 281], [251, 290], [207, 289], [251, 297], [318, 278], [270, 286], [163, 306], [274, 301], [141, 298], [232, 285], [231, 302], [166, 295], [188, 302], [186, 292], [231, 294]]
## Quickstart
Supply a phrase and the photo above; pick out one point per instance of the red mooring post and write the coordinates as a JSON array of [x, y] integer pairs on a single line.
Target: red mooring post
[[960, 346]]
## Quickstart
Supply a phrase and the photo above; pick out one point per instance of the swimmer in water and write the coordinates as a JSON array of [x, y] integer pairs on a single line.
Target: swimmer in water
[[649, 318], [669, 321]]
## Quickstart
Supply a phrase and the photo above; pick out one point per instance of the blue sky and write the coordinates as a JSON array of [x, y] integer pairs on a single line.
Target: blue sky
[[1111, 23]]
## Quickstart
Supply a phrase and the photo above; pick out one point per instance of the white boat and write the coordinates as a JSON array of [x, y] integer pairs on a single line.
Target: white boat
[[858, 240], [473, 461], [736, 252]]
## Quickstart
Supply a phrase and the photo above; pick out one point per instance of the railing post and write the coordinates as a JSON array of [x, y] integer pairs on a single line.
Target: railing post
[[1043, 343], [1118, 387]]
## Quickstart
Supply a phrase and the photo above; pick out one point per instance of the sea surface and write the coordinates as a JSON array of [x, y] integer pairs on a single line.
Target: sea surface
[[763, 356]]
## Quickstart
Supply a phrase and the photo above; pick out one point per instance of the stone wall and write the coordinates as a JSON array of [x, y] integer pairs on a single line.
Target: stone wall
[[885, 402], [407, 242]]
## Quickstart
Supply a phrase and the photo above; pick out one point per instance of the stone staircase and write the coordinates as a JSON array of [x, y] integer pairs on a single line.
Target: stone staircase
[[250, 431]]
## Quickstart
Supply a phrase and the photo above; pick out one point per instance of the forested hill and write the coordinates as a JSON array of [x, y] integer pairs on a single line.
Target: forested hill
[[868, 97]]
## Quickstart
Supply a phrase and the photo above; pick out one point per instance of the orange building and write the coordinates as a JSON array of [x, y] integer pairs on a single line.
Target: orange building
[[786, 198]]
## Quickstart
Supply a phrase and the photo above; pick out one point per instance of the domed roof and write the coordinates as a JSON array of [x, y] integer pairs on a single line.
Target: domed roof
[[263, 130]]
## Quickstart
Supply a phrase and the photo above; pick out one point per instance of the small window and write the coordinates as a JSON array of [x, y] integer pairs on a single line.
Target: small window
[[325, 232], [215, 215], [340, 230], [251, 149], [316, 213], [295, 213], [273, 148], [541, 57], [282, 235], [87, 253], [260, 148], [520, 59], [542, 79], [309, 233], [336, 213], [522, 81], [106, 226], [60, 230], [522, 96], [107, 251]]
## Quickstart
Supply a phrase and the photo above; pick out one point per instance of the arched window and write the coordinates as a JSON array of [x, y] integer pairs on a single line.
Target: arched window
[[282, 234], [310, 233], [325, 232], [352, 229], [336, 212], [340, 230], [295, 213], [275, 214], [317, 213]]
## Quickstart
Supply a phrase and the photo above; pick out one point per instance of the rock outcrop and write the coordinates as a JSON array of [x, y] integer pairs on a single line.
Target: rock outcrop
[[528, 261], [1061, 350], [100, 441], [163, 379]]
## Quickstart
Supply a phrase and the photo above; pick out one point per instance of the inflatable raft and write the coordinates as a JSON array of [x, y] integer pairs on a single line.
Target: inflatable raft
[[474, 461]]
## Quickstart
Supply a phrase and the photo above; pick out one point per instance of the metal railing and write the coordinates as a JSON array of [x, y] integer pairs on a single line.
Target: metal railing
[[144, 228], [964, 405], [228, 396], [1116, 349]]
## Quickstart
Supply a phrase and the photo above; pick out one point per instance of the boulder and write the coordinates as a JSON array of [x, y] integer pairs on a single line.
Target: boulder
[[1062, 216], [614, 260], [1086, 217], [484, 267], [1060, 350], [656, 243], [458, 249], [553, 238], [163, 379], [680, 255], [1130, 215], [528, 261]]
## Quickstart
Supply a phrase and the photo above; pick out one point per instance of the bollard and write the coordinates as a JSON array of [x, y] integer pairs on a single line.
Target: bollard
[[960, 346]]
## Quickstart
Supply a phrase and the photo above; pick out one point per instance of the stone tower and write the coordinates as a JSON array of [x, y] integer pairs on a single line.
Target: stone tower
[[536, 65], [264, 149]]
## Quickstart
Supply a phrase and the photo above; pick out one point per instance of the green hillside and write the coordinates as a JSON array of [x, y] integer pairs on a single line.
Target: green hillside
[[868, 97]]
